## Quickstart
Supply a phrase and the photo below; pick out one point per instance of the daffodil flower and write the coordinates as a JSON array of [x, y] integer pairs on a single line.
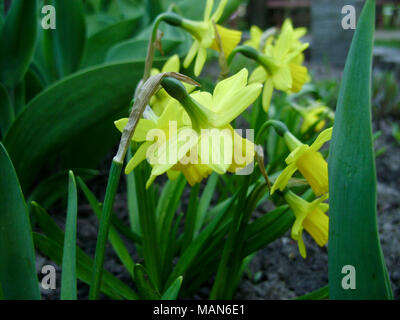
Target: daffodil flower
[[311, 116], [210, 117], [203, 33], [281, 65], [308, 161], [311, 217]]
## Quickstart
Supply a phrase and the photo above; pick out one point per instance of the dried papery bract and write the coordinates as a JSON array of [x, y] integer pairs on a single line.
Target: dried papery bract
[[148, 89]]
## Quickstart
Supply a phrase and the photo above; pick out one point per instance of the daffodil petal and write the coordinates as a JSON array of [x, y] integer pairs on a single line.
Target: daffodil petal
[[172, 64], [200, 60], [143, 126], [258, 75], [217, 149], [226, 88], [204, 98], [208, 9], [282, 78], [284, 177], [138, 157], [267, 94], [218, 12], [323, 137], [236, 104], [191, 54]]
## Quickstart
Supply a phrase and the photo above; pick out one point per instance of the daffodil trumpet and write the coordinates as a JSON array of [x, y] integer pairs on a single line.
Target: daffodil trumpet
[[308, 160], [309, 216]]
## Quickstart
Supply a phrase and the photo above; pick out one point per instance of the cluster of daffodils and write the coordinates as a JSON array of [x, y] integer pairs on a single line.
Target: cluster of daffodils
[[188, 131]]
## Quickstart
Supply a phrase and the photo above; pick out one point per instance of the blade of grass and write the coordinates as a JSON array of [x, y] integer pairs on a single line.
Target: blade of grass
[[68, 274]]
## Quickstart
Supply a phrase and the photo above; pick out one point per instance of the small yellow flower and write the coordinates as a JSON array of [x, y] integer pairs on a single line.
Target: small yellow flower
[[311, 115], [281, 65], [203, 33], [308, 161], [216, 145], [311, 217]]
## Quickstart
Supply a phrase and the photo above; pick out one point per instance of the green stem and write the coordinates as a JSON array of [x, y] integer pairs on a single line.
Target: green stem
[[168, 17], [113, 181], [279, 127]]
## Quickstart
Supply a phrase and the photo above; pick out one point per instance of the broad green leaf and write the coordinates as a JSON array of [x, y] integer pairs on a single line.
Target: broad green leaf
[[68, 39], [6, 111], [173, 291], [68, 273], [353, 233], [143, 282], [82, 106], [98, 44], [17, 38], [17, 268], [111, 286]]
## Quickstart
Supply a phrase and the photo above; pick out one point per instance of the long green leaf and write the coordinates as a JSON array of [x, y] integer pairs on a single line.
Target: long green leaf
[[68, 275], [80, 107], [69, 37], [353, 234], [17, 38], [17, 268]]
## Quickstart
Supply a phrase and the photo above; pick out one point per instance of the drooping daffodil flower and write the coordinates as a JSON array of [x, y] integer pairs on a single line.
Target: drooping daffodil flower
[[309, 216], [312, 116], [280, 65], [204, 37], [308, 160], [212, 143]]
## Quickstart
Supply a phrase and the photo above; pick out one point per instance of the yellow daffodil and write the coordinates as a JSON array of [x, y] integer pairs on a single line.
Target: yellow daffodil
[[213, 145], [311, 116], [311, 217], [281, 65], [203, 33], [308, 161]]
